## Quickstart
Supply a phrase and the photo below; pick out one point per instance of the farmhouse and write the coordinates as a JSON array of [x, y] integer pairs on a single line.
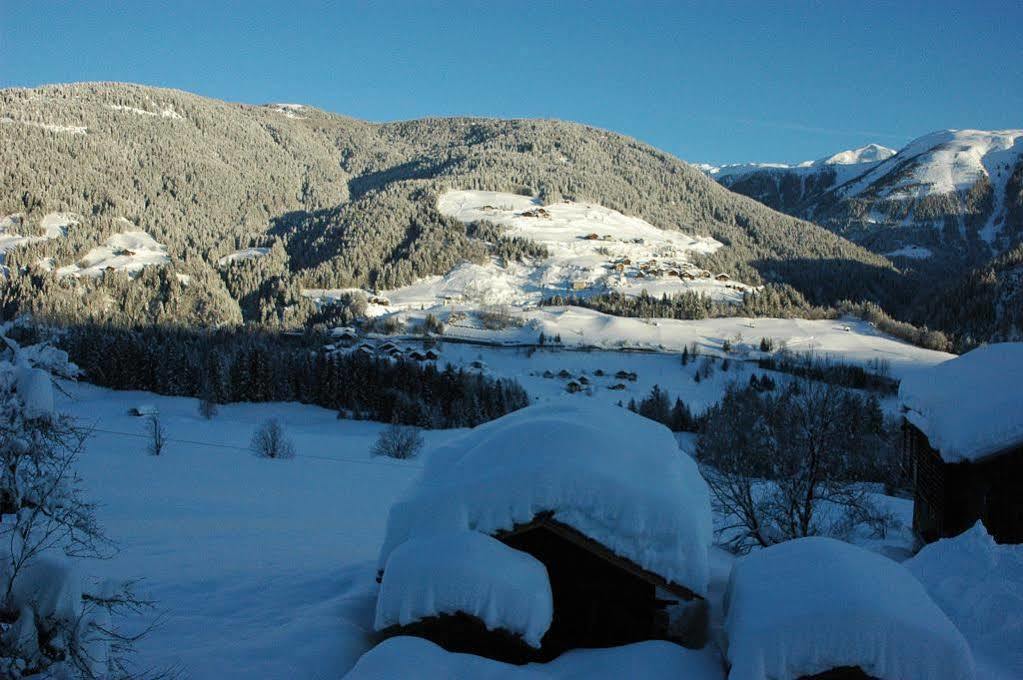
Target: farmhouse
[[596, 496], [818, 608], [963, 438]]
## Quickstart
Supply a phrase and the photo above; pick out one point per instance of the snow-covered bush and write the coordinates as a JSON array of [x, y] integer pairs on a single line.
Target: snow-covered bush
[[51, 623], [270, 441], [398, 441]]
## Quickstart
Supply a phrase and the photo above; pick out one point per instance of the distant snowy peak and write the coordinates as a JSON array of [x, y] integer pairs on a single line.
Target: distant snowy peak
[[871, 153], [957, 188], [943, 162]]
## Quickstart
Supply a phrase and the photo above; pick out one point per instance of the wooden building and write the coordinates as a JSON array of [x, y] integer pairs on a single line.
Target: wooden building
[[600, 599], [949, 498], [963, 444]]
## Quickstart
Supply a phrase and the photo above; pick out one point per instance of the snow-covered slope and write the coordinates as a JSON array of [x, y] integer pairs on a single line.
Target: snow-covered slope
[[129, 251], [951, 187]]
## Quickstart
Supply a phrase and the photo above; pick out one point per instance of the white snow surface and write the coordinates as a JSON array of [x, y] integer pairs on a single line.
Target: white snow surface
[[467, 572], [54, 225], [913, 252], [164, 112], [969, 407], [243, 254], [813, 604], [129, 251], [411, 657], [51, 127], [979, 585], [611, 474]]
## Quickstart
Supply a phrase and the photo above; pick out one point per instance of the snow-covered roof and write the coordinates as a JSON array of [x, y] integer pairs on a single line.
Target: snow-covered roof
[[809, 605], [614, 476], [466, 572], [969, 407], [412, 657]]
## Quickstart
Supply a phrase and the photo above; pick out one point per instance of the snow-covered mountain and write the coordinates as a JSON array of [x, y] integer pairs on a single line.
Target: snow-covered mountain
[[950, 192]]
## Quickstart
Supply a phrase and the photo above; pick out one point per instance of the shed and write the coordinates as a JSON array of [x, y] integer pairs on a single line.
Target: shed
[[573, 387], [144, 410], [963, 442], [821, 608], [599, 495]]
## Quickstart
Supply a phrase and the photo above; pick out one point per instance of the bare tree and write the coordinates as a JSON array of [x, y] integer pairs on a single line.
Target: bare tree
[[270, 441], [791, 465], [207, 407], [398, 441], [157, 435]]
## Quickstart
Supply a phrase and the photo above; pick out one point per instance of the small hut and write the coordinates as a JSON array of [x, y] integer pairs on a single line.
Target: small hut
[[820, 609], [573, 387], [963, 441], [620, 524]]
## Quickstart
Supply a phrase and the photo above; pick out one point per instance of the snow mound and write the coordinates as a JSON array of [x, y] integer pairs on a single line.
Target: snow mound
[[809, 605], [129, 251], [54, 225], [411, 657], [979, 584], [470, 573], [611, 474], [35, 389], [972, 406]]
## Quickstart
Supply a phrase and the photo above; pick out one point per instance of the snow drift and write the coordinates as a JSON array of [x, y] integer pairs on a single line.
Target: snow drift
[[809, 605], [470, 573]]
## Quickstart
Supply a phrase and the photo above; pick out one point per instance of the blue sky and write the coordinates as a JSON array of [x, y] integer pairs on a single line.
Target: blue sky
[[709, 81]]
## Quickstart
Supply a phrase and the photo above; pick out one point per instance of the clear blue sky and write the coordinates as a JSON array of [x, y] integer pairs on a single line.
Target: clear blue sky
[[708, 81]]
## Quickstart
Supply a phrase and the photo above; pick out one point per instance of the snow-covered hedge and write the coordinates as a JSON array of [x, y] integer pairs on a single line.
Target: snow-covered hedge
[[813, 604]]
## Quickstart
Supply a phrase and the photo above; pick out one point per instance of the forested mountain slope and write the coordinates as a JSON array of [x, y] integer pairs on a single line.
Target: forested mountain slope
[[139, 205]]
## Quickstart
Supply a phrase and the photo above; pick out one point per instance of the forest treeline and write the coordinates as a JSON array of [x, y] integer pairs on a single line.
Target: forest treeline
[[236, 365]]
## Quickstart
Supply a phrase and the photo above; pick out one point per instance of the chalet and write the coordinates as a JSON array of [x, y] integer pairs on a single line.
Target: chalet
[[580, 284], [416, 355], [619, 267], [143, 410], [564, 374], [599, 372], [963, 442], [721, 277], [583, 380], [478, 364], [548, 374], [431, 355], [592, 237], [687, 276], [483, 560], [617, 386], [623, 375], [344, 335], [573, 387], [821, 609]]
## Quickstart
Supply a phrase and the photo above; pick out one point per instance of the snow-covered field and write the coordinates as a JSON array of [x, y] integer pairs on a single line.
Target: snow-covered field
[[12, 228], [129, 251], [267, 568], [592, 250], [243, 254]]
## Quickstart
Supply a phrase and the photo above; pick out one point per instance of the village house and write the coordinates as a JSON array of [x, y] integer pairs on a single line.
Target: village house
[[480, 559], [963, 442]]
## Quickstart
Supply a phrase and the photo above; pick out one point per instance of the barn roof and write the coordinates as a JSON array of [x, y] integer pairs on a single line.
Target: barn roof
[[970, 407], [609, 474], [810, 605]]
